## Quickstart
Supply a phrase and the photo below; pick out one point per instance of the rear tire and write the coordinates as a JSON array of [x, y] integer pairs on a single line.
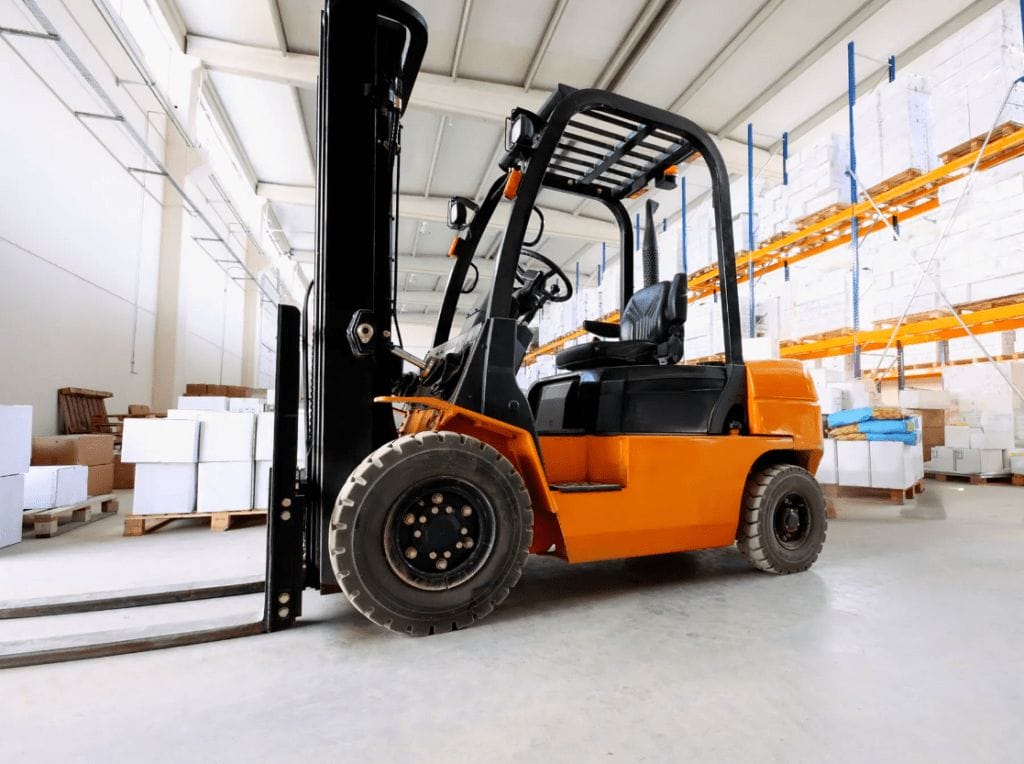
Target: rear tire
[[430, 533], [782, 521]]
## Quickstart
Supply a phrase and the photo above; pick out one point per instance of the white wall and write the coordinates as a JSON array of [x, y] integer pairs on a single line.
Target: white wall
[[79, 257]]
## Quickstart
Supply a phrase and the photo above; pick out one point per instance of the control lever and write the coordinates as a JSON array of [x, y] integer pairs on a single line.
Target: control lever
[[405, 355]]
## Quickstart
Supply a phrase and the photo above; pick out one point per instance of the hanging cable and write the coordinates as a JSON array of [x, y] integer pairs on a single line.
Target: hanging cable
[[540, 232]]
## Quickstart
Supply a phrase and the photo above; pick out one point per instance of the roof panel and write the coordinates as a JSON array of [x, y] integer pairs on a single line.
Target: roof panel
[[467, 143], [301, 22], [443, 18], [501, 39], [269, 125], [242, 21]]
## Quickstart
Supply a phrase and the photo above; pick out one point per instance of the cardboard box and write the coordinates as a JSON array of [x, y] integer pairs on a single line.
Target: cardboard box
[[224, 436], [943, 459], [12, 493], [87, 450], [224, 486], [234, 391], [246, 405], [101, 479], [160, 441], [220, 390], [124, 474], [47, 487], [191, 389], [894, 465], [265, 436], [15, 439], [203, 403], [911, 398], [853, 459], [826, 474], [959, 435], [261, 490], [975, 461], [164, 489]]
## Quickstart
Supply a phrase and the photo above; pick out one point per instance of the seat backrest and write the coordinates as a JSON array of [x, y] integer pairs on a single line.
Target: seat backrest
[[653, 312]]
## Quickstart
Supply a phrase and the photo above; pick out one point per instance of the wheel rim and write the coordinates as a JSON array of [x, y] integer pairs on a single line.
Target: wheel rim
[[792, 521], [439, 534]]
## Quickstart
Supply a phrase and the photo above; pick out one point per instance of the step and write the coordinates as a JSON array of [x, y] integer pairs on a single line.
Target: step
[[584, 487]]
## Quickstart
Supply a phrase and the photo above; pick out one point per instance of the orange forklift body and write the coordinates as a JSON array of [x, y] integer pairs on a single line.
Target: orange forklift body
[[678, 492]]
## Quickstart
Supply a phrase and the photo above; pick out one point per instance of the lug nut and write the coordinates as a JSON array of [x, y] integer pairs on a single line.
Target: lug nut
[[448, 510], [458, 545], [433, 555], [410, 553], [409, 519], [447, 554], [464, 531], [441, 564], [434, 510], [468, 543], [417, 534], [423, 518], [437, 498], [467, 511]]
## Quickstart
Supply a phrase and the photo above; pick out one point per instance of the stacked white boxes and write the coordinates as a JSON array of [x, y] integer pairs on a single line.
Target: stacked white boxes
[[56, 486], [15, 456], [876, 464], [203, 402], [264, 457], [225, 471], [165, 453]]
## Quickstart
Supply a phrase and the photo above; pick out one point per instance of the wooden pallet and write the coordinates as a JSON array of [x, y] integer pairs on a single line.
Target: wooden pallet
[[942, 477], [973, 144], [890, 495], [1016, 479], [823, 214], [47, 523], [140, 525], [896, 180], [830, 334]]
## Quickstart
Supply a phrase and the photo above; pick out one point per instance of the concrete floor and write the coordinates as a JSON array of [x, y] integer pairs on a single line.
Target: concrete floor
[[904, 642]]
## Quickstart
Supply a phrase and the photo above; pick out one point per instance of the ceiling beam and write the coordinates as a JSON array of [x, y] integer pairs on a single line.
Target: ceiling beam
[[494, 102], [426, 299], [642, 31], [545, 42], [434, 265], [809, 59], [467, 8], [435, 209], [753, 24], [297, 69]]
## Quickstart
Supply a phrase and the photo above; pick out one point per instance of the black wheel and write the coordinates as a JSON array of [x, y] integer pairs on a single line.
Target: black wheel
[[782, 523], [430, 532]]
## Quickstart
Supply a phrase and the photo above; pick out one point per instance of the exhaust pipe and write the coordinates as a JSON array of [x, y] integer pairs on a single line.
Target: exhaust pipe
[[649, 253]]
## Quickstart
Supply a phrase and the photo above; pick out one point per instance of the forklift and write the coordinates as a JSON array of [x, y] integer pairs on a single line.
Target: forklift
[[427, 491], [423, 493]]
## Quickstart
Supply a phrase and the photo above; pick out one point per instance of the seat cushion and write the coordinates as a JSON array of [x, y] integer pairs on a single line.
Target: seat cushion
[[611, 353]]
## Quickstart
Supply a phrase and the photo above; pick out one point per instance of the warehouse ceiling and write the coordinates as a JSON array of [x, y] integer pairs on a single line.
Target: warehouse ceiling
[[780, 64]]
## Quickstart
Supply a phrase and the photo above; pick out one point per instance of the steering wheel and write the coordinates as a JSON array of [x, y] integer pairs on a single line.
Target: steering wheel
[[550, 294]]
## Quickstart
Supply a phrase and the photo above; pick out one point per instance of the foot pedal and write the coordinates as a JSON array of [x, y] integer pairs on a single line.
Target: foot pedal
[[584, 487]]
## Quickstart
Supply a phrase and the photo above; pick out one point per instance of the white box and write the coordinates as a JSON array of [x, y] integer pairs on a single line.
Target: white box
[[160, 441], [223, 436], [826, 474], [265, 436], [261, 491], [943, 459], [853, 459], [12, 493], [246, 405], [164, 489], [203, 402], [224, 486], [924, 399], [894, 465], [974, 461], [15, 439], [47, 487], [959, 435], [1016, 459]]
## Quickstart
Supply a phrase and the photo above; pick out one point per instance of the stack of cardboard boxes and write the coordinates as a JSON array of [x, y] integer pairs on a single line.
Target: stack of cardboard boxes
[[94, 452], [15, 450]]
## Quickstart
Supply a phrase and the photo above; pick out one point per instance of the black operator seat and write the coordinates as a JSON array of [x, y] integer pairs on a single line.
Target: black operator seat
[[650, 332]]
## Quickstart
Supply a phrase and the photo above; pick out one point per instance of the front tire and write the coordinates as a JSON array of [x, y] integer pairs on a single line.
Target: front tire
[[430, 532], [782, 521]]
